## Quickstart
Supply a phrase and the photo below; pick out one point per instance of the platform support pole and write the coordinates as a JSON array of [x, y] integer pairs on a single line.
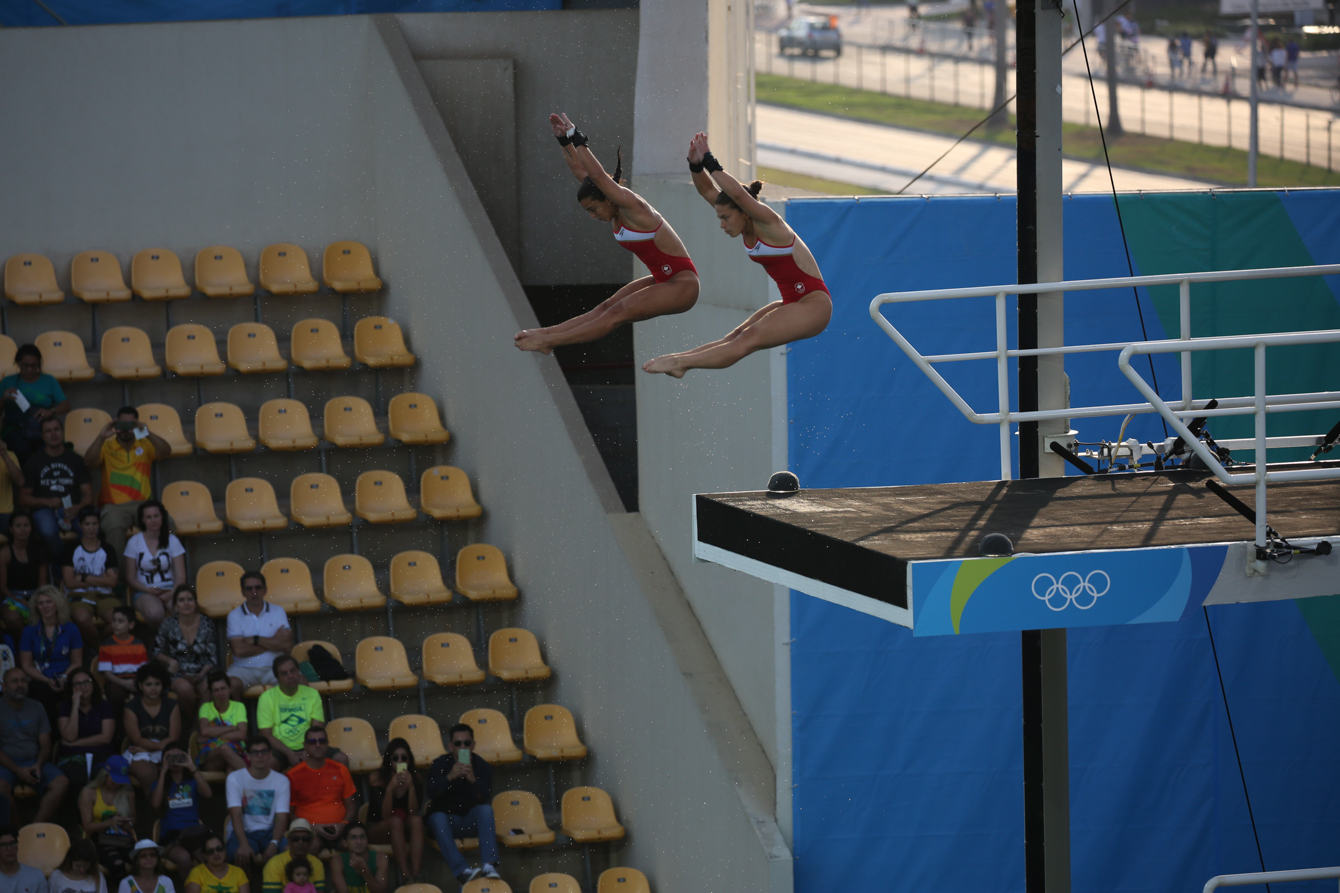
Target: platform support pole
[[1042, 385]]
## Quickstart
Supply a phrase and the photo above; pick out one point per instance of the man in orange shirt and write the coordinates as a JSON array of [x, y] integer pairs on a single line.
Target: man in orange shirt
[[321, 790], [126, 450]]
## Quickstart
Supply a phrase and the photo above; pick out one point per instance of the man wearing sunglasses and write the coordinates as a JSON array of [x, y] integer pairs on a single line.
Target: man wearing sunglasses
[[323, 790], [460, 795], [258, 809], [258, 632], [300, 840], [15, 877]]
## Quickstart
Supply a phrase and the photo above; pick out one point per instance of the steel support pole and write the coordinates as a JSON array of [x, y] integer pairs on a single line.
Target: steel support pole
[[1253, 128]]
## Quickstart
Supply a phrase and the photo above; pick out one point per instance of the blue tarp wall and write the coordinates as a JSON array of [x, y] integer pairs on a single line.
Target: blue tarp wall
[[907, 755]]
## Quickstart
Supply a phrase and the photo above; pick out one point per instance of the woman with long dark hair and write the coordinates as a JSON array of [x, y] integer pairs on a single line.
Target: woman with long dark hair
[[395, 807], [23, 570], [805, 307], [187, 647], [86, 725], [155, 562], [672, 286]]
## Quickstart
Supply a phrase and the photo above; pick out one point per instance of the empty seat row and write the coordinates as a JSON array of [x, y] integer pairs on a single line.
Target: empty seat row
[[156, 274], [191, 351], [612, 880], [349, 582], [382, 664]]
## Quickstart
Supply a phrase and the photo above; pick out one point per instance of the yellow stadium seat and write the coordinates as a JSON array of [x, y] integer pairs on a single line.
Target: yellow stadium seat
[[350, 584], [7, 350], [418, 888], [250, 504], [485, 885], [221, 428], [445, 495], [381, 664], [349, 422], [82, 427], [481, 574], [347, 267], [316, 344], [43, 846], [553, 882], [155, 275], [588, 815], [163, 420], [191, 351], [448, 660], [379, 498], [416, 579], [63, 356], [358, 740], [288, 584], [422, 733], [95, 278], [550, 733], [315, 501], [379, 343], [514, 656], [520, 811], [285, 425], [218, 588], [31, 279], [252, 348], [126, 354], [302, 649], [221, 273], [493, 737], [413, 419], [284, 271], [622, 880], [191, 508]]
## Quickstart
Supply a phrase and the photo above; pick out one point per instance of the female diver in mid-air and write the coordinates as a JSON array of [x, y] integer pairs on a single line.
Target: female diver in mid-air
[[805, 307], [672, 286]]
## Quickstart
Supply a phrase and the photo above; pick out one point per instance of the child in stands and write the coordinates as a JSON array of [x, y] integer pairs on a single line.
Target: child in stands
[[120, 657]]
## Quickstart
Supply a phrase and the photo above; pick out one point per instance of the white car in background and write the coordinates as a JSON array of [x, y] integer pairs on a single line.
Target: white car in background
[[811, 35]]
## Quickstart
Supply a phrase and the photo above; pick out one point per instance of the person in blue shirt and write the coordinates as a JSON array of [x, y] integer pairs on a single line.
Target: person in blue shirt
[[43, 394], [50, 648], [176, 796]]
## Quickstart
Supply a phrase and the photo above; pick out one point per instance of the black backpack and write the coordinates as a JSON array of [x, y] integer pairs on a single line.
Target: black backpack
[[325, 664]]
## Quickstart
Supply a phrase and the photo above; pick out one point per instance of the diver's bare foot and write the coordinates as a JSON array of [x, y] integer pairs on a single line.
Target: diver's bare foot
[[531, 339], [667, 364]]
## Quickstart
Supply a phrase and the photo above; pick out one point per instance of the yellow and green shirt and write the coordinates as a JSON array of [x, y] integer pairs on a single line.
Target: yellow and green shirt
[[125, 472], [231, 882]]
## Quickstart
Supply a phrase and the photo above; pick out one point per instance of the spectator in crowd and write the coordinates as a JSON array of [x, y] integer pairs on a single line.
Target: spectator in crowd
[[146, 871], [1174, 58], [286, 712], [395, 807], [222, 728], [258, 809], [8, 657], [120, 657], [78, 873], [1278, 59], [155, 563], [258, 632], [30, 397], [49, 648], [87, 727], [126, 450], [359, 869], [186, 645], [16, 877], [90, 572], [107, 815], [56, 486], [11, 478], [215, 875], [299, 875], [1211, 50], [460, 795], [1291, 53], [25, 748], [322, 789], [152, 722], [176, 797], [23, 570], [300, 838]]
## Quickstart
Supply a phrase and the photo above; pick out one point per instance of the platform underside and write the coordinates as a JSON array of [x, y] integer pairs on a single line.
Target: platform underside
[[854, 545]]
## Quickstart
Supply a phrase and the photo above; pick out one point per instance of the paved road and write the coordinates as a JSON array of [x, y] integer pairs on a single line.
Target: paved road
[[886, 158]]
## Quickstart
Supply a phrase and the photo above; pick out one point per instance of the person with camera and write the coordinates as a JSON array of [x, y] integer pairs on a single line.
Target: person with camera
[[25, 748], [460, 796], [176, 796], [126, 451]]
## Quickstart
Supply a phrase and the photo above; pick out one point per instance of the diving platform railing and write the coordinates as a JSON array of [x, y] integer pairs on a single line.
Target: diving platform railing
[[1271, 877]]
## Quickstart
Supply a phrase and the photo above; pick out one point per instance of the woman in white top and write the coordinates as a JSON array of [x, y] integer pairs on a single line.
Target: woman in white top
[[155, 562], [79, 872], [146, 872]]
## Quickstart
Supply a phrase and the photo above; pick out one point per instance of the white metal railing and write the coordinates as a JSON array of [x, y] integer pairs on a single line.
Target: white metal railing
[[1260, 404], [1271, 877]]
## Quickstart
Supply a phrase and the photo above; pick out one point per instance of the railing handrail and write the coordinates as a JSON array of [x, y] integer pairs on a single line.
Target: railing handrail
[[1271, 877]]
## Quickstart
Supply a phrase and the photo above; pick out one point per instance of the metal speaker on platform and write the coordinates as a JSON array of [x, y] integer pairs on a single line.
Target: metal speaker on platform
[[783, 484], [995, 545]]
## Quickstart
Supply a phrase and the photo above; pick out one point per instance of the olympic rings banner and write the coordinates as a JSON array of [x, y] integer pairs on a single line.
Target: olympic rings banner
[[1069, 589]]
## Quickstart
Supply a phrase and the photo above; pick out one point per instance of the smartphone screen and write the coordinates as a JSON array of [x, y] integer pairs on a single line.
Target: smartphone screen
[[463, 755], [401, 767]]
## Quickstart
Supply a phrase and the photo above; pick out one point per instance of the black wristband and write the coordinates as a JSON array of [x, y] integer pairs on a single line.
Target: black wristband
[[563, 139], [710, 163], [578, 138], [695, 168]]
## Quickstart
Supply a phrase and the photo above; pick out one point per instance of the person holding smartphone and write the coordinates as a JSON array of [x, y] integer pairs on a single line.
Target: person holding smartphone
[[395, 807], [107, 815], [460, 795], [176, 795], [126, 451]]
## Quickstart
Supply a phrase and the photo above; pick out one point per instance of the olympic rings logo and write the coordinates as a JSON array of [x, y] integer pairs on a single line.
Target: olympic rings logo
[[1071, 588]]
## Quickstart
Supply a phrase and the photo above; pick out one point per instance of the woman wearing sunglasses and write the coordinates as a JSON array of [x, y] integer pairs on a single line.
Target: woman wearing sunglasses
[[395, 807], [215, 874]]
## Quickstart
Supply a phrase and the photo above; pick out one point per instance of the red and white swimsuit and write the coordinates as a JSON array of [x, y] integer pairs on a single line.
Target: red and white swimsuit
[[780, 263], [642, 243]]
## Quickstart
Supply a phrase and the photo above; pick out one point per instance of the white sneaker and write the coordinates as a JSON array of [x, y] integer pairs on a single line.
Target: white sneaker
[[469, 875], [491, 872]]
